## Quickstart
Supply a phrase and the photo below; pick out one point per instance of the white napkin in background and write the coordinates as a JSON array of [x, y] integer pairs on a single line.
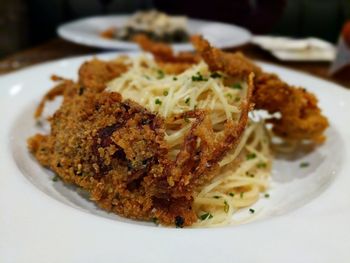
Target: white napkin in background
[[308, 49]]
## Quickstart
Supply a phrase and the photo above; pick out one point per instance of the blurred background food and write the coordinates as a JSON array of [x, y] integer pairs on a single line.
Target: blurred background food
[[24, 23], [155, 25]]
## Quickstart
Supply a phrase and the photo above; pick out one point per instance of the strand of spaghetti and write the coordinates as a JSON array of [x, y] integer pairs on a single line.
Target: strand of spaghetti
[[230, 157]]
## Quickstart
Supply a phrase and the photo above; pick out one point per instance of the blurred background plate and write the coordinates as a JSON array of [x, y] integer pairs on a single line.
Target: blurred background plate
[[87, 32]]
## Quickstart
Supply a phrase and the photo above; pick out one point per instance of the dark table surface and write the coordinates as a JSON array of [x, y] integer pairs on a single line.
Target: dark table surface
[[58, 48]]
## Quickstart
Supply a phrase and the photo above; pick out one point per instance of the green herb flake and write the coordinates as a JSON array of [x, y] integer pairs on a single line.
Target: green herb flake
[[261, 165], [267, 195], [216, 196], [160, 74], [187, 101], [198, 77], [241, 194], [155, 220], [187, 119], [165, 93], [158, 102], [174, 78], [229, 95], [206, 216], [304, 164], [147, 77], [55, 178], [226, 206], [237, 99], [236, 86], [232, 194], [251, 210], [251, 156], [215, 75]]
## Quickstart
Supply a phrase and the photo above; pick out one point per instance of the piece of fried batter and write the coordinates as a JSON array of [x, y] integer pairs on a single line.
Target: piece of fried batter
[[116, 151], [300, 119], [170, 62]]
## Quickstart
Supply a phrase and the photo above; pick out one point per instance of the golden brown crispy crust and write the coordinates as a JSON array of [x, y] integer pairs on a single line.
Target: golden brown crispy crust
[[234, 64], [116, 151], [105, 146], [96, 73], [301, 118], [163, 54]]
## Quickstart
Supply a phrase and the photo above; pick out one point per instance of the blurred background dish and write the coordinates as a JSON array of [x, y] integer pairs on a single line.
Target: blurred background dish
[[88, 32], [28, 23], [155, 25]]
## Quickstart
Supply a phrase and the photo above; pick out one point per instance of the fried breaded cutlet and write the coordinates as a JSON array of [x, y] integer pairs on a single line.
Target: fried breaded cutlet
[[115, 149], [300, 119]]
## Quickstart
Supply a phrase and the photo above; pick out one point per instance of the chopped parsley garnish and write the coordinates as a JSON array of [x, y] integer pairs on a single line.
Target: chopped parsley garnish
[[251, 210], [266, 195], [165, 93], [187, 101], [229, 95], [147, 77], [226, 206], [215, 75], [174, 78], [158, 102], [304, 164], [237, 99], [236, 86], [55, 178], [206, 216], [160, 74], [155, 220], [261, 165], [251, 156], [198, 77], [232, 194], [216, 196], [241, 194], [249, 174]]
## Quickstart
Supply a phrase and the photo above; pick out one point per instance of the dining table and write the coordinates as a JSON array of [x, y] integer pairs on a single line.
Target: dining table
[[57, 48]]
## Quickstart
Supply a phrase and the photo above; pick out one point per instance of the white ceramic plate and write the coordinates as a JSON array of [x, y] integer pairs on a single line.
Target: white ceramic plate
[[87, 32], [306, 218]]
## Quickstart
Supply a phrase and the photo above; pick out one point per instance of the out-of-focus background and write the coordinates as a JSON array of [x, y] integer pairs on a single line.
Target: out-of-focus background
[[24, 23]]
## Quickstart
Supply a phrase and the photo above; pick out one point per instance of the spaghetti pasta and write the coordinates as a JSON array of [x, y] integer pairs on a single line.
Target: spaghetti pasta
[[245, 171]]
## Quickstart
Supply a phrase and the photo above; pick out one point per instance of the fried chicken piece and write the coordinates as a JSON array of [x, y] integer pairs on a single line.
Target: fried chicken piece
[[105, 146], [116, 151], [233, 64], [95, 73], [301, 118]]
